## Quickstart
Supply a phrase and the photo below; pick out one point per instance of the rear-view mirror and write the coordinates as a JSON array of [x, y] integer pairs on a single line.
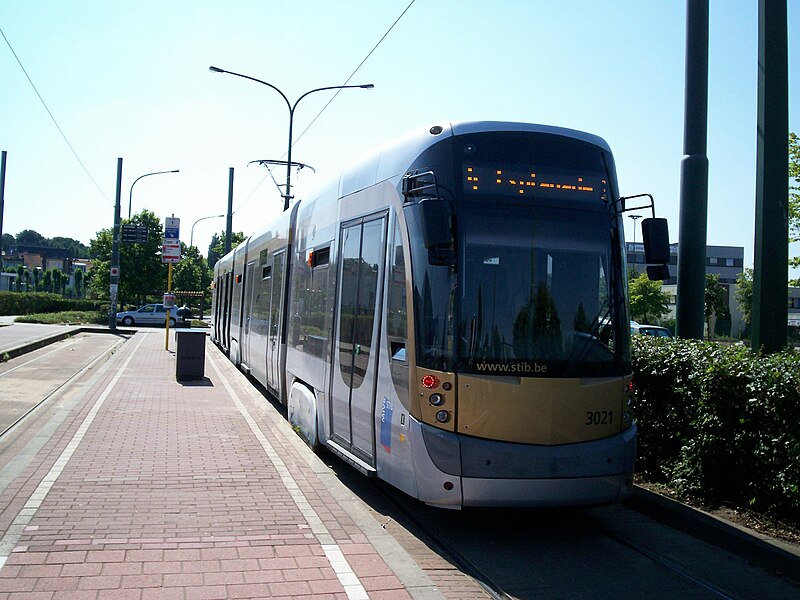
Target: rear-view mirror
[[655, 236]]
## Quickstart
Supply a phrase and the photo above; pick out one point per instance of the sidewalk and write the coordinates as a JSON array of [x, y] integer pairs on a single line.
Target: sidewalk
[[149, 488]]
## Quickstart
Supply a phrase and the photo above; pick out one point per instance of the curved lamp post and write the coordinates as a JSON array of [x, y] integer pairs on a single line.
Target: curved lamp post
[[288, 195], [191, 237], [130, 196], [634, 218]]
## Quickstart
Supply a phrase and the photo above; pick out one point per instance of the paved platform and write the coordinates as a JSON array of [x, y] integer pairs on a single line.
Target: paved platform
[[134, 485], [142, 487]]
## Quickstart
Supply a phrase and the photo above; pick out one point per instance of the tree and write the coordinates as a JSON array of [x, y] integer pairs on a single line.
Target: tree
[[744, 294], [20, 277], [794, 197], [648, 302], [141, 271], [78, 283], [76, 248], [29, 237], [216, 249], [47, 281], [191, 274], [8, 241], [714, 300], [37, 278]]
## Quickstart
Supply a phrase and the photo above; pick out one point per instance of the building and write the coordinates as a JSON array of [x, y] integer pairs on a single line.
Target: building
[[725, 261]]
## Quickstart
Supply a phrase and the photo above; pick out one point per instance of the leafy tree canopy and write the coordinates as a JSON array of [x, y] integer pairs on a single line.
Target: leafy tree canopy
[[794, 194], [744, 293], [216, 249], [29, 237], [714, 300], [192, 272], [648, 303], [141, 271]]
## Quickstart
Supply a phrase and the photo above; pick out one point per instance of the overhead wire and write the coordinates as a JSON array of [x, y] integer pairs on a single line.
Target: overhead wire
[[63, 135], [322, 110]]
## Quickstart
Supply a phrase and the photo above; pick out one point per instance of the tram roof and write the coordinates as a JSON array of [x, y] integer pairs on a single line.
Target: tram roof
[[394, 158]]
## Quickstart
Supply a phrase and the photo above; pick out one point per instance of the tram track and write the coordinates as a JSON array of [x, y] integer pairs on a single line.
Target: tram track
[[16, 412], [446, 549], [533, 553], [665, 563]]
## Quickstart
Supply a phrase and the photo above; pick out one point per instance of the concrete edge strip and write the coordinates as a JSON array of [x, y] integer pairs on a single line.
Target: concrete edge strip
[[26, 514], [413, 578], [35, 343], [41, 356], [349, 580], [758, 548]]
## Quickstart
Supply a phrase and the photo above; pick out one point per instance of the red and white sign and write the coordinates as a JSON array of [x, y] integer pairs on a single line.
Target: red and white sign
[[171, 251], [115, 271]]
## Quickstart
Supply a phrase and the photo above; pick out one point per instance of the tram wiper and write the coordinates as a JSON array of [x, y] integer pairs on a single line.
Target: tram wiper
[[591, 338], [473, 336]]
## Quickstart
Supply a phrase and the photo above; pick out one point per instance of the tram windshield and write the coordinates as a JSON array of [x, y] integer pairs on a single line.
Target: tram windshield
[[537, 285], [534, 291]]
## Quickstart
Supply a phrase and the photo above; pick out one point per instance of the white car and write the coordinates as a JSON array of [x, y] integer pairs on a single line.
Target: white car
[[149, 314]]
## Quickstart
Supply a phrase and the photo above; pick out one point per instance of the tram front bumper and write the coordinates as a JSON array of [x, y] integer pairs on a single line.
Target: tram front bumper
[[491, 473]]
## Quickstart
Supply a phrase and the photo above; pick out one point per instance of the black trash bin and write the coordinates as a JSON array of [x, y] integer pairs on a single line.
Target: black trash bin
[[190, 355]]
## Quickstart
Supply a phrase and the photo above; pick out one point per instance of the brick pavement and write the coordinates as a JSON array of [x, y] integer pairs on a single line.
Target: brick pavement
[[154, 489]]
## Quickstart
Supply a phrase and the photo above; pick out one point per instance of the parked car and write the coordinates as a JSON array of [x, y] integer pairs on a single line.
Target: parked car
[[652, 330], [149, 314]]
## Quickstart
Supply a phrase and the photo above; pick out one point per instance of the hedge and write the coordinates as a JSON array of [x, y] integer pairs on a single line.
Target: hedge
[[26, 303], [720, 422]]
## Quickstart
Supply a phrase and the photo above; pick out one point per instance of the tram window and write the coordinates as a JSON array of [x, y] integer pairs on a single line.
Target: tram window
[[397, 321], [320, 257], [266, 272]]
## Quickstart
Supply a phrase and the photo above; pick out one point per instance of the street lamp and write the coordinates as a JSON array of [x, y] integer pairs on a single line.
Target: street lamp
[[635, 218], [130, 197], [191, 237], [288, 195]]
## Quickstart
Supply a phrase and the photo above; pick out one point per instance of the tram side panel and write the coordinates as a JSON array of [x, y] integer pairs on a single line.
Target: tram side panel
[[310, 307], [263, 302]]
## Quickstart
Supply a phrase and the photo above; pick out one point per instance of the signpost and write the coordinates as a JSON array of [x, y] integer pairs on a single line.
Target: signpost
[[170, 254], [135, 234]]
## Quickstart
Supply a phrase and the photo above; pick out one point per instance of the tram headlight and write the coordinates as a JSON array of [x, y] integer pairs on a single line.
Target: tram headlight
[[436, 399], [443, 416], [627, 413]]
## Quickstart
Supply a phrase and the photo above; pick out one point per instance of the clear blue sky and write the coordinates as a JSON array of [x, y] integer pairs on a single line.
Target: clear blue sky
[[131, 80]]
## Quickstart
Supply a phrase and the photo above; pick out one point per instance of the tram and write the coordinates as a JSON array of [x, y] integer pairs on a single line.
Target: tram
[[450, 315]]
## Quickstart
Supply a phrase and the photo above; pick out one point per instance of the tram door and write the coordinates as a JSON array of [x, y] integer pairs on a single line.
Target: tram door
[[355, 360], [247, 307], [275, 312]]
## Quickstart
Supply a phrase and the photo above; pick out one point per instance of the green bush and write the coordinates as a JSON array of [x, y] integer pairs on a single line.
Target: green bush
[[72, 317], [26, 303], [720, 422]]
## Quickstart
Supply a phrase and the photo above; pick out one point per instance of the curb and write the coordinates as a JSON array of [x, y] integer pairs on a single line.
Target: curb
[[15, 351], [770, 554]]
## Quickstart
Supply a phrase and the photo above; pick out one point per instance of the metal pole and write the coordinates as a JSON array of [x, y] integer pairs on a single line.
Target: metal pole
[[114, 274], [2, 201], [770, 273], [169, 291], [288, 196], [694, 177], [229, 220]]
